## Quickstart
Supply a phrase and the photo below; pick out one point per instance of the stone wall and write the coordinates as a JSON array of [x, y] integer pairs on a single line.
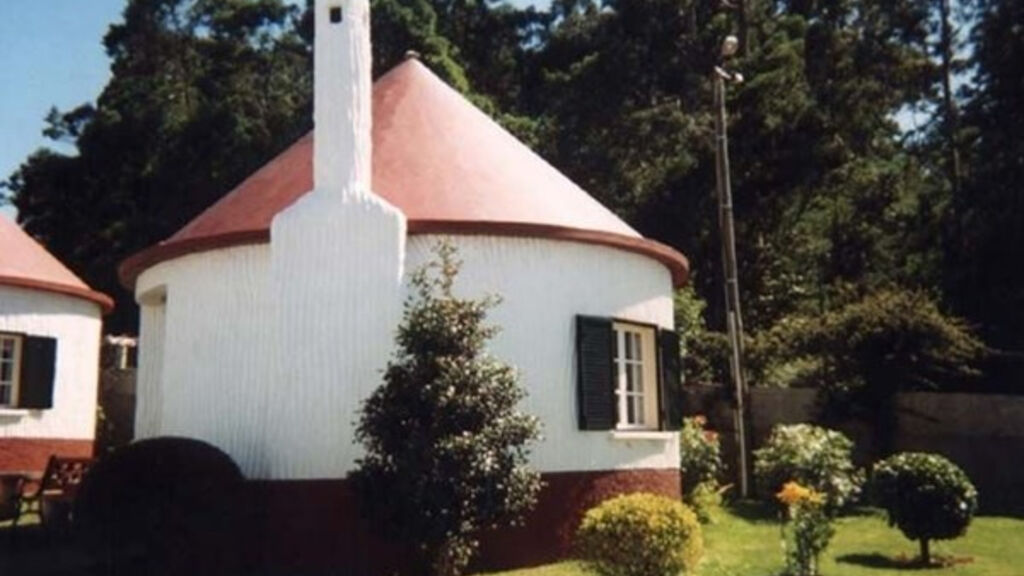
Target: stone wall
[[116, 426]]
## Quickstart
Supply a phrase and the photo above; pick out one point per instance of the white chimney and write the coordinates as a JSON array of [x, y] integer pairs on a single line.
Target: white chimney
[[343, 89]]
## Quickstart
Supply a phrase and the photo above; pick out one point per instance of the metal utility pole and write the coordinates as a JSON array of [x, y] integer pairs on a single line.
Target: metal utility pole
[[733, 317]]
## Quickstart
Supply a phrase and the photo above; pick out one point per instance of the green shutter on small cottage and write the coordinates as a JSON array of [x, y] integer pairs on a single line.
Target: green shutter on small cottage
[[669, 380], [38, 367], [596, 384]]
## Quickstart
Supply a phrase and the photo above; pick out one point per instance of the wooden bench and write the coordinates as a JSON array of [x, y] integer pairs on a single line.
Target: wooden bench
[[51, 496], [11, 487]]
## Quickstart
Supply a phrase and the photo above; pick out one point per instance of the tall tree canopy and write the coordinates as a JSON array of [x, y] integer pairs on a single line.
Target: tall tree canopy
[[202, 92], [836, 195], [987, 244]]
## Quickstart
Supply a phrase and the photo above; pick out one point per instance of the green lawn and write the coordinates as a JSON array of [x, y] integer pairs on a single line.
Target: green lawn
[[746, 543]]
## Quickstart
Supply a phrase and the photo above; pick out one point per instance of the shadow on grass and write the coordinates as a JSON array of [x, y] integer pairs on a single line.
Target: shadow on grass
[[753, 511], [862, 512], [901, 562]]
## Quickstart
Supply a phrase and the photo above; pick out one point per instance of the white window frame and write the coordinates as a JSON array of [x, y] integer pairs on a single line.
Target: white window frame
[[636, 376], [15, 341]]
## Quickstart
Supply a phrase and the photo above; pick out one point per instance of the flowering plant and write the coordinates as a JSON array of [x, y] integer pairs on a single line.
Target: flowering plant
[[810, 528], [700, 458], [815, 457], [700, 462]]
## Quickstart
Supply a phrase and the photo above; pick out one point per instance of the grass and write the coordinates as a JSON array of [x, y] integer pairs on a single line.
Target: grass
[[745, 542]]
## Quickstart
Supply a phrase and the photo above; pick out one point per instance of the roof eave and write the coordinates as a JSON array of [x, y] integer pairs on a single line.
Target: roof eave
[[678, 265], [106, 303]]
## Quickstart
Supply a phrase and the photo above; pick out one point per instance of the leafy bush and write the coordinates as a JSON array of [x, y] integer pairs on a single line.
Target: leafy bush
[[861, 350], [705, 499], [173, 499], [810, 529], [890, 341], [700, 458], [446, 445], [926, 496], [814, 457], [700, 462], [640, 535]]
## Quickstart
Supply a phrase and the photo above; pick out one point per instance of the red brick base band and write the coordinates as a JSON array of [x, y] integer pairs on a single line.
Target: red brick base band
[[314, 525], [31, 454]]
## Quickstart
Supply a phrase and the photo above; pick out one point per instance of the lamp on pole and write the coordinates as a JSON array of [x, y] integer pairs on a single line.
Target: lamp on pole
[[733, 317]]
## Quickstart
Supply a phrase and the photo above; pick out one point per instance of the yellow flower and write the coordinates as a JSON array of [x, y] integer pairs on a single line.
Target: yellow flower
[[793, 493]]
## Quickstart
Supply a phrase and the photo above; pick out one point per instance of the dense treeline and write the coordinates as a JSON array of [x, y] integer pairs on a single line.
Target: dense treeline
[[875, 146]]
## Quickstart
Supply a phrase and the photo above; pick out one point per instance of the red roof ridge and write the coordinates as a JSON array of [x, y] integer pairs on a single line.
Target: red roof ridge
[[443, 162]]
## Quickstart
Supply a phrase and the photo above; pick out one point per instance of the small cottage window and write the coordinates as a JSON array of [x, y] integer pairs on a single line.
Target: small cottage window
[[10, 364], [27, 370], [635, 379], [627, 376]]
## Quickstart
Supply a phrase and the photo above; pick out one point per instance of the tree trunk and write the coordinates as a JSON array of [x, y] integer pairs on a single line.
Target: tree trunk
[[743, 9], [951, 113], [926, 555]]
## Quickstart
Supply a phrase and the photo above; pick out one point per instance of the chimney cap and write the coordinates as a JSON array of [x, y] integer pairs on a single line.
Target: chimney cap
[[412, 55]]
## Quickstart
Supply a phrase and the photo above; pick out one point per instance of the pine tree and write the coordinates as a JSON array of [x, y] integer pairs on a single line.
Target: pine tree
[[985, 278], [446, 444]]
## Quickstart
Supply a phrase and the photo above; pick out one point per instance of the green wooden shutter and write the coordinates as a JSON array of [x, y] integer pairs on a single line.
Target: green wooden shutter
[[669, 380], [38, 365], [596, 389]]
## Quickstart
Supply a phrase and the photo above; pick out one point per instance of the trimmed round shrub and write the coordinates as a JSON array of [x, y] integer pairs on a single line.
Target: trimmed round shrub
[[812, 456], [168, 502], [640, 535], [926, 496]]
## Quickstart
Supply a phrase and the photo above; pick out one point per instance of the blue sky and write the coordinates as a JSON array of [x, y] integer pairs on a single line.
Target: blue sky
[[51, 54]]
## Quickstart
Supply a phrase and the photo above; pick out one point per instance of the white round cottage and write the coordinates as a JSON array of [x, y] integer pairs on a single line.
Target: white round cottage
[[50, 324], [268, 319]]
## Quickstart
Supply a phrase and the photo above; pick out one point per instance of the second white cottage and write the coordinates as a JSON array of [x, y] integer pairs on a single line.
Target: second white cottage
[[268, 319]]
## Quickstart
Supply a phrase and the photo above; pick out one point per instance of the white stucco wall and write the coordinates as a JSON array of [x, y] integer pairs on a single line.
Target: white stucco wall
[[76, 324], [224, 329], [209, 380], [336, 285], [544, 284], [152, 320]]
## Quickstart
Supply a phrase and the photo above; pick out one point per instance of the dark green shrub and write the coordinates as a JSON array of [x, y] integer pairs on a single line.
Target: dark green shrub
[[640, 535], [926, 496], [814, 457], [171, 500], [446, 444]]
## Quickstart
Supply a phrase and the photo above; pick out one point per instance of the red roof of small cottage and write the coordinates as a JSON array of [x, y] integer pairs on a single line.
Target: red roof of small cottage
[[445, 164], [26, 264]]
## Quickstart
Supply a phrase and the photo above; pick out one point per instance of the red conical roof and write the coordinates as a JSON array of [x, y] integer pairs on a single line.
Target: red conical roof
[[26, 264], [445, 164]]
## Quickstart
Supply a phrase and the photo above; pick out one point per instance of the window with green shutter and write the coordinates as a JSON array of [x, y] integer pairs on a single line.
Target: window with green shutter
[[27, 371], [10, 368], [627, 375]]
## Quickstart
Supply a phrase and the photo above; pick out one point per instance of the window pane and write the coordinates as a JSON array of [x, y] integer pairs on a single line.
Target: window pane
[[5, 395], [639, 400], [638, 378], [629, 345], [6, 349], [630, 381], [637, 347], [630, 411], [6, 372]]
